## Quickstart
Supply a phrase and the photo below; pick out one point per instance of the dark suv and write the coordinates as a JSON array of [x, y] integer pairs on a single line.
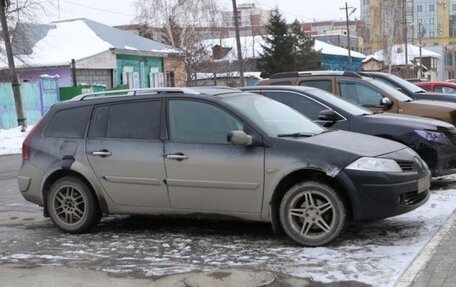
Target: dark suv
[[433, 140], [214, 151], [371, 93]]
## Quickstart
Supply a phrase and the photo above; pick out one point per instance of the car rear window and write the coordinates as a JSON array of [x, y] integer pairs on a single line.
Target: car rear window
[[69, 123], [133, 120]]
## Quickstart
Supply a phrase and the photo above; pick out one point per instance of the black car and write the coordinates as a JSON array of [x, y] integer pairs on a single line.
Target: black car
[[408, 88], [433, 140]]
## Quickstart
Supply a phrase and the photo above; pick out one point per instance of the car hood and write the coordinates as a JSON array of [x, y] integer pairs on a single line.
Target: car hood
[[354, 143], [410, 121]]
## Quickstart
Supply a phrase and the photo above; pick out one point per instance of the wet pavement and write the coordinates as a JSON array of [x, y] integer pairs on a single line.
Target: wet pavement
[[153, 246]]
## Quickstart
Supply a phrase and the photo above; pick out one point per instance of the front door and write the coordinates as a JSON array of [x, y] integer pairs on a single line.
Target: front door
[[361, 94], [125, 152], [204, 171]]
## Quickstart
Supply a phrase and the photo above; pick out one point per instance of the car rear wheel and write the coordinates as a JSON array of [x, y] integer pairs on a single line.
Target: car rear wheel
[[312, 213], [72, 205]]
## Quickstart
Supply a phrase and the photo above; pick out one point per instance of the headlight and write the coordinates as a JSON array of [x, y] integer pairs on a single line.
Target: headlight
[[375, 164], [434, 137]]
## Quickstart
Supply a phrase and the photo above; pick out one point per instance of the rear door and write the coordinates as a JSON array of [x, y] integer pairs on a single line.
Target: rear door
[[126, 153], [204, 171], [361, 94]]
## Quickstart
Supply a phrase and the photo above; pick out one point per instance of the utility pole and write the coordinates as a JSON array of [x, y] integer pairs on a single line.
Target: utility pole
[[12, 68], [347, 15], [420, 36], [404, 31], [238, 43]]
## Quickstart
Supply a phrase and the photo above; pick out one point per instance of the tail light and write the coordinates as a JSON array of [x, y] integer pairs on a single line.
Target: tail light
[[28, 139]]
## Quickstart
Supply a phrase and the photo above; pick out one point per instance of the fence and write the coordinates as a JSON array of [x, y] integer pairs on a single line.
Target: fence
[[37, 98]]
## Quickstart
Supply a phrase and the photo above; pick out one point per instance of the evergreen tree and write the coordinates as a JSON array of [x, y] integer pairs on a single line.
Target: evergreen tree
[[306, 56], [278, 49], [286, 48]]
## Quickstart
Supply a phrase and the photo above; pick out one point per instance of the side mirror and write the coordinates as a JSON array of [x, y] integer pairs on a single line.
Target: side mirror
[[239, 138], [386, 102], [329, 115]]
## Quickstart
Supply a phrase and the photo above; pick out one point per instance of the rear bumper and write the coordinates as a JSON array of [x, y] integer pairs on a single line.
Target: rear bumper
[[28, 182], [377, 195]]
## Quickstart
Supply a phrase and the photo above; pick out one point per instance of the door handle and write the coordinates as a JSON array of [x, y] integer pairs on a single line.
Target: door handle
[[102, 153], [177, 156]]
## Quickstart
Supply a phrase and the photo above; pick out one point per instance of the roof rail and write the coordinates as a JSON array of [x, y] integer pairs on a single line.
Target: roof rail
[[135, 92], [284, 75], [314, 73]]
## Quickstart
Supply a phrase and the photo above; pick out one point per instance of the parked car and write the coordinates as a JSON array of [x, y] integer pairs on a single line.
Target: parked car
[[438, 87], [227, 152], [433, 140], [410, 89], [367, 92]]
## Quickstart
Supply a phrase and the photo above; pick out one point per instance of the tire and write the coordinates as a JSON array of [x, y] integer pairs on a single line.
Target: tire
[[312, 214], [72, 205]]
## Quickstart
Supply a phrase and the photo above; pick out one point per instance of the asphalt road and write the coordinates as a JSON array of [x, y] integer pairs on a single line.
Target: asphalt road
[[142, 250]]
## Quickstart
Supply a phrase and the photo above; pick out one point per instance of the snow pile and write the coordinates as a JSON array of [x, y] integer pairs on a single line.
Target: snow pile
[[11, 140], [398, 54]]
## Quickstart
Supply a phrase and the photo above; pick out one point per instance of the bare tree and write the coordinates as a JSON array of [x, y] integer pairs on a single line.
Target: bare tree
[[184, 24], [11, 13]]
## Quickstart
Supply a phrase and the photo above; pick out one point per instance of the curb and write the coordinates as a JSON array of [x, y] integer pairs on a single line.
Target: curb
[[408, 276]]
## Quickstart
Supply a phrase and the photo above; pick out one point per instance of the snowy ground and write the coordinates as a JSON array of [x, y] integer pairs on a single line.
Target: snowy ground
[[11, 140], [375, 253]]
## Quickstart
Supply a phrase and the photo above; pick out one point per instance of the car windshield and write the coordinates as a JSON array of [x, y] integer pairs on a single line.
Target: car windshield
[[391, 91], [273, 117], [338, 102], [406, 84]]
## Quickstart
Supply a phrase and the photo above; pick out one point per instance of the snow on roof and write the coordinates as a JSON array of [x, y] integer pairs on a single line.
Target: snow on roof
[[251, 48], [330, 49], [398, 54], [59, 42]]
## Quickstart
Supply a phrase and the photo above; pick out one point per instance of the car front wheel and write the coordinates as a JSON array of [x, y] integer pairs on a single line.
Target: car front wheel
[[72, 205], [312, 213]]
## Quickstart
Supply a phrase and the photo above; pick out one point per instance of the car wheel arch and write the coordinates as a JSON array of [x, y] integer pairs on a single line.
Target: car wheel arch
[[301, 175], [57, 174]]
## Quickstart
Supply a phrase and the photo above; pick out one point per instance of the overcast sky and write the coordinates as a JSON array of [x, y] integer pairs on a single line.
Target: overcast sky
[[117, 12]]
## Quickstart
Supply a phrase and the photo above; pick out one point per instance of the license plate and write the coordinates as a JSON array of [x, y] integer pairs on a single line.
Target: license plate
[[424, 184]]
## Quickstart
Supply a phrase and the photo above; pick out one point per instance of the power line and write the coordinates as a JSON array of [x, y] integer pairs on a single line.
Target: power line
[[97, 9]]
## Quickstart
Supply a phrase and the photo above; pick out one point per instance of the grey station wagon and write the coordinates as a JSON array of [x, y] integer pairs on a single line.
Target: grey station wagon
[[213, 151]]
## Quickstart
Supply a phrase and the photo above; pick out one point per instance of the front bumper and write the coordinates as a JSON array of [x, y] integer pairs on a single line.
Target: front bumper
[[377, 195], [441, 159]]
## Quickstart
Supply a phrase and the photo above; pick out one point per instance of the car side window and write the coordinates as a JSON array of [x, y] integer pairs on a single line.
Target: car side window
[[69, 123], [360, 93], [446, 90], [438, 89], [325, 85], [133, 120], [199, 122], [302, 104]]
